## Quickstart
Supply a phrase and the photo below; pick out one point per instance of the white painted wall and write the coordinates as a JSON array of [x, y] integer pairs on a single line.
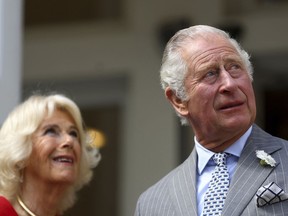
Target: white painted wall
[[10, 55], [131, 46]]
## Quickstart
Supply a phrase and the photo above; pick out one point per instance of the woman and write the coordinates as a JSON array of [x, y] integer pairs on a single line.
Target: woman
[[45, 157]]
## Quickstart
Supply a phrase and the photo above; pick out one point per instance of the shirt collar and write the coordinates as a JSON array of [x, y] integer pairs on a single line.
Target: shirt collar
[[235, 149]]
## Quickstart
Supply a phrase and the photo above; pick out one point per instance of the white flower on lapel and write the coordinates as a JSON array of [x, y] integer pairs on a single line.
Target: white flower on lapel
[[265, 159]]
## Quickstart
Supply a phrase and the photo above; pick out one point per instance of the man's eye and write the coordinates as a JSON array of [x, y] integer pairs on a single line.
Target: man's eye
[[211, 73], [235, 70], [210, 76], [234, 67]]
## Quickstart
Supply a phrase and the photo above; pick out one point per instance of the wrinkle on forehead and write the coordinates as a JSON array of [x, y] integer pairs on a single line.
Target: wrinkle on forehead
[[203, 52]]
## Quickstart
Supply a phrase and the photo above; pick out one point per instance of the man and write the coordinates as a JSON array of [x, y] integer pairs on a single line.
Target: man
[[207, 77]]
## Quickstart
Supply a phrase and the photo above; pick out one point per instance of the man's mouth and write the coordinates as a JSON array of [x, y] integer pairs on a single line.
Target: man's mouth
[[231, 105]]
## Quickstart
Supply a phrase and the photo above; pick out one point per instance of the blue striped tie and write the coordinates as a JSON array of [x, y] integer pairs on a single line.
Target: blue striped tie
[[218, 187]]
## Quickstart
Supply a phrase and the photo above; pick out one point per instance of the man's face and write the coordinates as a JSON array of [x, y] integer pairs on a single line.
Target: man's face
[[221, 103]]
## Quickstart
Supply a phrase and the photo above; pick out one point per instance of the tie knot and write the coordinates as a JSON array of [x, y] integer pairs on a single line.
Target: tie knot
[[220, 158]]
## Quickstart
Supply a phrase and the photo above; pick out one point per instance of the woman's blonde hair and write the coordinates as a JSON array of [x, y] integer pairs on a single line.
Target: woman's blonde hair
[[16, 144]]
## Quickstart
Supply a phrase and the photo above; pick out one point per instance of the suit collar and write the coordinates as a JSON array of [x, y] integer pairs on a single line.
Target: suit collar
[[183, 187], [248, 177], [249, 174], [204, 154]]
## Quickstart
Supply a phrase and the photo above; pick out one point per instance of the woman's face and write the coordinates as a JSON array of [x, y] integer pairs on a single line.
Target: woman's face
[[56, 152]]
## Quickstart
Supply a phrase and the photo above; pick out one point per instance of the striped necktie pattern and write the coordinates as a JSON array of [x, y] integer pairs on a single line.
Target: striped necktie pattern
[[218, 187]]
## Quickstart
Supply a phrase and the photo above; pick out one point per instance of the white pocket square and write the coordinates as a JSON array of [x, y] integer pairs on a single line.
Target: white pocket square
[[269, 194]]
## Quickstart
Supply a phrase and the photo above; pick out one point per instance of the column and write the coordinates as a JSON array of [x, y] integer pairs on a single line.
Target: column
[[10, 55]]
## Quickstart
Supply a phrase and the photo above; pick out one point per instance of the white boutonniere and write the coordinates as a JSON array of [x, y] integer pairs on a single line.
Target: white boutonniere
[[265, 159]]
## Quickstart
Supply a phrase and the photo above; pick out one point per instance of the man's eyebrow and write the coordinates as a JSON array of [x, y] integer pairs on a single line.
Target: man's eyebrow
[[232, 58], [207, 66]]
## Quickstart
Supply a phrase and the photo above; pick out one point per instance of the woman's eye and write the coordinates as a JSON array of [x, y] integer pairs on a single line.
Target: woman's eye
[[50, 131], [74, 134]]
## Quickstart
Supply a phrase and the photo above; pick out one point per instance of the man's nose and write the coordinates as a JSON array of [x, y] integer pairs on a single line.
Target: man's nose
[[227, 82]]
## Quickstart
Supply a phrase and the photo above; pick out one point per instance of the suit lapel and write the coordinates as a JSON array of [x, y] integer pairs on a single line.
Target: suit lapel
[[183, 187], [249, 174]]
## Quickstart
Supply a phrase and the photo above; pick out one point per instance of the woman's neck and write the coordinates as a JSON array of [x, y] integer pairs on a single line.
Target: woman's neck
[[40, 199]]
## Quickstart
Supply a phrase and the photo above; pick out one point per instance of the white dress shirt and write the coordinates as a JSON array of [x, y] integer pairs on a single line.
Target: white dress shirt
[[206, 165]]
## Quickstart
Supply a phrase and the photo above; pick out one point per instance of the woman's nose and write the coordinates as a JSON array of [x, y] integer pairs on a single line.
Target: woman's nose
[[67, 141]]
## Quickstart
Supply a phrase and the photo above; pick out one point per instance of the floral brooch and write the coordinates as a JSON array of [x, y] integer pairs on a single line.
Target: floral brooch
[[265, 159]]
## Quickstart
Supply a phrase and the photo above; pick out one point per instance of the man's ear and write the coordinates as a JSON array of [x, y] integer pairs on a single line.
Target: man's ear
[[179, 105]]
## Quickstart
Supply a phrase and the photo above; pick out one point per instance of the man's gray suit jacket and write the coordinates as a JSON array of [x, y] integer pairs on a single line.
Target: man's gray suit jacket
[[175, 194]]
